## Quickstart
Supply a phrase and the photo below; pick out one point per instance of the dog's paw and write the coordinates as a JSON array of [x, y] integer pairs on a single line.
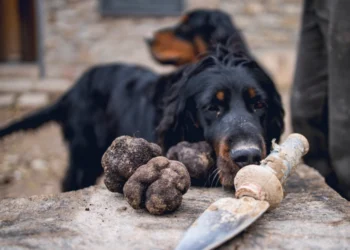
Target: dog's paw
[[158, 186], [123, 157], [197, 157]]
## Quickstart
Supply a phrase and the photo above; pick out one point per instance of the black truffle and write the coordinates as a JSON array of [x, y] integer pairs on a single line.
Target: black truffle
[[123, 157], [158, 186]]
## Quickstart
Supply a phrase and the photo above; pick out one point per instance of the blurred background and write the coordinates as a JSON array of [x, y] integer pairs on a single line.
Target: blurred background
[[46, 44]]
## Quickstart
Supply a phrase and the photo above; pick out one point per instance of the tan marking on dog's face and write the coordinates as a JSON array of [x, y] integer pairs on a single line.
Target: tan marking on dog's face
[[263, 149], [184, 19], [167, 47], [227, 168], [223, 149], [251, 92], [220, 95], [201, 46]]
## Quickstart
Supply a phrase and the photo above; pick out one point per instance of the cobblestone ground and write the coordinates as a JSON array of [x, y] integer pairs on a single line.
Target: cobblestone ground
[[34, 162], [31, 162]]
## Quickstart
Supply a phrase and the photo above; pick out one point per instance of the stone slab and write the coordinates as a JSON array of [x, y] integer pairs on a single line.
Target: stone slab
[[30, 70], [16, 85], [312, 216], [7, 100], [53, 85], [32, 100]]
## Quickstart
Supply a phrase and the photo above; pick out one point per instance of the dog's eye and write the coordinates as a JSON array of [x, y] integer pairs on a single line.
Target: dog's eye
[[259, 105]]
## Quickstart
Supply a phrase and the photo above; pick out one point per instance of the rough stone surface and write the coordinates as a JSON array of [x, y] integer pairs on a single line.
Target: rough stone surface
[[18, 70], [266, 23], [209, 4], [55, 85], [32, 100], [280, 63], [312, 216], [15, 85], [7, 100]]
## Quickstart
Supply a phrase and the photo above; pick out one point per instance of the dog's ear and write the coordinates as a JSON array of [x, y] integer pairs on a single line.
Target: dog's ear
[[179, 121], [275, 112], [169, 129]]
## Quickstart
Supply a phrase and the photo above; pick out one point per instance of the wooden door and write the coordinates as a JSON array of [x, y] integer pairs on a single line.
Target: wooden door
[[17, 31], [9, 31], [27, 30]]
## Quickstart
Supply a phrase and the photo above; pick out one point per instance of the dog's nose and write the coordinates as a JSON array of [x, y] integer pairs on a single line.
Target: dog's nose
[[246, 156]]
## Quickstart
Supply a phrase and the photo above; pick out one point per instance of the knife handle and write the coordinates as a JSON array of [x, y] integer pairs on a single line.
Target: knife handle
[[265, 182]]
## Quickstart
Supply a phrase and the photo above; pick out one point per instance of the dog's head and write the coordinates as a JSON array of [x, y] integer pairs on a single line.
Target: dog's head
[[229, 101], [191, 37]]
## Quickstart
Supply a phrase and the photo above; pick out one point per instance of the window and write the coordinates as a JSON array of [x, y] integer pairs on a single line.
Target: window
[[141, 7]]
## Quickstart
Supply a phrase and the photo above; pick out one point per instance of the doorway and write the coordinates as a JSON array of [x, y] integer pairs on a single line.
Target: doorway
[[18, 32]]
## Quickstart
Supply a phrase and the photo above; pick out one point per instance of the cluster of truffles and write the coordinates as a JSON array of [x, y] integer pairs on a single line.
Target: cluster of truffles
[[135, 168]]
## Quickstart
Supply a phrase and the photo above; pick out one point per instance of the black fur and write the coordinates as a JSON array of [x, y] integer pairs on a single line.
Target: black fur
[[178, 121], [214, 26], [240, 127]]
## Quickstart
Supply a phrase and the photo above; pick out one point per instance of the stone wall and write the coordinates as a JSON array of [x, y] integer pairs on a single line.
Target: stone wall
[[77, 36], [267, 24]]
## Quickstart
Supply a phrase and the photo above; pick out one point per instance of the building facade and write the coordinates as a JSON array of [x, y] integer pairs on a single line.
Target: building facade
[[59, 39]]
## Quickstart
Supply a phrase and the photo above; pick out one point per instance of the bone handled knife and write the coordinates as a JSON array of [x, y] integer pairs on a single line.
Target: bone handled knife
[[258, 189]]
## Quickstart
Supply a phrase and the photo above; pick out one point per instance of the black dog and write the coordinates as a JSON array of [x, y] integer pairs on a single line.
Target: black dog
[[226, 99]]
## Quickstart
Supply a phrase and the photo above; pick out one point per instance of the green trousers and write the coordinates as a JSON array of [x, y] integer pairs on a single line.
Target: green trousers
[[320, 99]]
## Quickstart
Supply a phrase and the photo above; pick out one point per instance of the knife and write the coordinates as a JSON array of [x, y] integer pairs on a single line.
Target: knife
[[258, 189]]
